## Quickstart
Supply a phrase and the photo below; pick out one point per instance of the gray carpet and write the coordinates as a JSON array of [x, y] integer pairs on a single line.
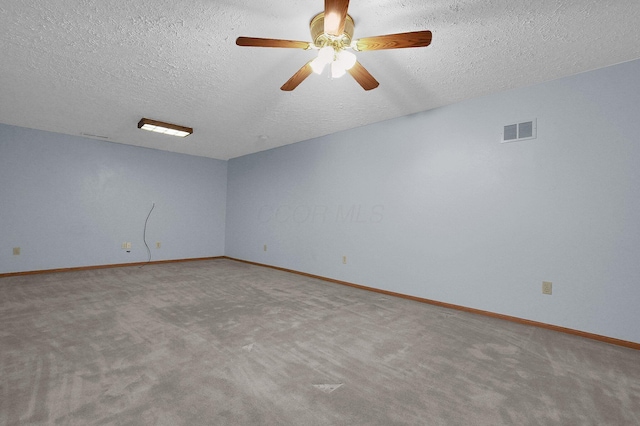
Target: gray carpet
[[225, 343]]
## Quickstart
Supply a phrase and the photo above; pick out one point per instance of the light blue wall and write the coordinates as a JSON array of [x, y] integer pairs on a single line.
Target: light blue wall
[[433, 205], [430, 205], [68, 201]]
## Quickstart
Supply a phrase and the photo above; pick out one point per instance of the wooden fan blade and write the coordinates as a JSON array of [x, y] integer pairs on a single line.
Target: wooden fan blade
[[272, 42], [298, 77], [363, 77], [394, 41], [335, 13]]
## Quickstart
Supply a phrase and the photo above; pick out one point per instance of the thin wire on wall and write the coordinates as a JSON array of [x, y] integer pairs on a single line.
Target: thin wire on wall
[[144, 234]]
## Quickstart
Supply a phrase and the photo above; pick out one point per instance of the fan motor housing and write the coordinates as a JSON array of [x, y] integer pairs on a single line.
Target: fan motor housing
[[321, 39]]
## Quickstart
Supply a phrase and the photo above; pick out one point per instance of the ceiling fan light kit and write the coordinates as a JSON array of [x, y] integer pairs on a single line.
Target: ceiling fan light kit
[[332, 34]]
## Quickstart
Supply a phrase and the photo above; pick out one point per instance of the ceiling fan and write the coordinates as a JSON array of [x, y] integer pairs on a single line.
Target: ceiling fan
[[332, 35]]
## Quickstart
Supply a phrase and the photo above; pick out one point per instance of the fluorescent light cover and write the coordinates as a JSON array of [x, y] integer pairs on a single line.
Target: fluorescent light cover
[[164, 128]]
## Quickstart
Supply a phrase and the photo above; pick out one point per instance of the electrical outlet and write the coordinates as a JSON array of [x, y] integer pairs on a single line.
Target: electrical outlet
[[344, 259], [128, 246], [547, 287], [16, 251], [158, 245], [265, 247], [123, 246]]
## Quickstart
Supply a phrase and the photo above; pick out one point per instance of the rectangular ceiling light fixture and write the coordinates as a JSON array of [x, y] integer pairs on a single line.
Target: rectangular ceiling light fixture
[[166, 128]]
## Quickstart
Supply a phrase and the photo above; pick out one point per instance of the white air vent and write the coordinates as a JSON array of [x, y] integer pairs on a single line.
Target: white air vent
[[519, 131]]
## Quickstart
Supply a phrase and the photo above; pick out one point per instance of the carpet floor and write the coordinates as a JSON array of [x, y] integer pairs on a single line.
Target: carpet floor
[[221, 342]]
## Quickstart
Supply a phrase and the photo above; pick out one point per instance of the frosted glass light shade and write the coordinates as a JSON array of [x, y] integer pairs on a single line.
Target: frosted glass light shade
[[326, 54], [317, 65], [346, 59], [337, 70]]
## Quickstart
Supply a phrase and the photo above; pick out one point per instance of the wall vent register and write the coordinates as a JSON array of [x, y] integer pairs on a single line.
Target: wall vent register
[[519, 132]]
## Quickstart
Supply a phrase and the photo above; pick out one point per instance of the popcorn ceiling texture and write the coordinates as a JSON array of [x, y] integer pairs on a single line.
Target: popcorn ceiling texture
[[86, 67]]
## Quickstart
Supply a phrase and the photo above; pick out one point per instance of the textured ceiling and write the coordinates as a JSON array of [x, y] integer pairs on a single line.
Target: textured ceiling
[[95, 67]]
